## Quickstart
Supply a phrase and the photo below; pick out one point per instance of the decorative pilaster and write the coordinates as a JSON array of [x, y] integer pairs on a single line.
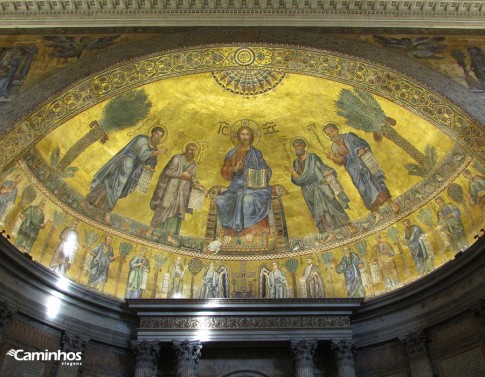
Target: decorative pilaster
[[188, 355], [479, 310], [343, 351], [303, 352], [147, 354], [71, 342], [415, 344], [6, 317]]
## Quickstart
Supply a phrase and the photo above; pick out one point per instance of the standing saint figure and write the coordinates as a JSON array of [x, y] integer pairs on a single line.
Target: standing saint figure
[[8, 194], [276, 283], [243, 210], [312, 175], [9, 64], [33, 220], [476, 189], [313, 280], [350, 266], [120, 175], [348, 150], [138, 275], [103, 255], [414, 239], [66, 249], [176, 283], [170, 200], [214, 283], [449, 219], [383, 256]]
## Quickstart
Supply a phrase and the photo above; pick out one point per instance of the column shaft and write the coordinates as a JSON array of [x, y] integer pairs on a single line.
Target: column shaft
[[419, 362], [71, 343]]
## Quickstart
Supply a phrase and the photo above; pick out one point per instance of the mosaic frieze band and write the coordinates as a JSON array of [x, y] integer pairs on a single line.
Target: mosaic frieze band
[[366, 75]]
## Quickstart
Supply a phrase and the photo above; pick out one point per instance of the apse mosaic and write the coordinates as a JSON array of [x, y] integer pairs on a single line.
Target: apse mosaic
[[244, 172]]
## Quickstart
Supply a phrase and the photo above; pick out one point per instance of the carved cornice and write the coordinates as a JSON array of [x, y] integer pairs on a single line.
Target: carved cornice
[[430, 13], [244, 322], [182, 303]]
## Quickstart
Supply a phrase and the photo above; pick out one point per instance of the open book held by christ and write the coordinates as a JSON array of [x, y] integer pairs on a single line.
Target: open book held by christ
[[256, 178]]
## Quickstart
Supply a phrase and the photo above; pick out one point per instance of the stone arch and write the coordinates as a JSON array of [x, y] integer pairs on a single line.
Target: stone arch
[[245, 373]]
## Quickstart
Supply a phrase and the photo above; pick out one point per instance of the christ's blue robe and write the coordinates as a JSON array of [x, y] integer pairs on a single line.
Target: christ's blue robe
[[240, 207]]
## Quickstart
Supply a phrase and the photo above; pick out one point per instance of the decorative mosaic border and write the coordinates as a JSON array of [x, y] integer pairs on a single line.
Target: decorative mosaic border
[[368, 76]]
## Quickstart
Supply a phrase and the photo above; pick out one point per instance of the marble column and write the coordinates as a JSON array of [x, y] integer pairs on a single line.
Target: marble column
[[71, 342], [6, 317], [188, 354], [146, 356], [303, 352], [415, 344], [343, 351]]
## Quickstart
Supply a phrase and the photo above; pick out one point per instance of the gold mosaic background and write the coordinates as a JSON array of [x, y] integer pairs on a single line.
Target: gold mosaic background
[[298, 89]]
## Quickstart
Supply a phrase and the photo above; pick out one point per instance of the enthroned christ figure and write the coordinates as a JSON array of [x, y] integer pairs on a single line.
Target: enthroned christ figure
[[244, 207]]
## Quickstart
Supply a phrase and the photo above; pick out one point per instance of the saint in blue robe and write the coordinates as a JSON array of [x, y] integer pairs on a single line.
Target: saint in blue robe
[[121, 174], [371, 187], [414, 238], [349, 266], [327, 211]]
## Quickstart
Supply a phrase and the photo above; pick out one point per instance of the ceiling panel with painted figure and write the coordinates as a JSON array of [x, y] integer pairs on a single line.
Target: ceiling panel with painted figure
[[249, 167]]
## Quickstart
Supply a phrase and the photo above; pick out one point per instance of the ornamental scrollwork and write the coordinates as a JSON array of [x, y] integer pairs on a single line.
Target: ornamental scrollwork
[[246, 322]]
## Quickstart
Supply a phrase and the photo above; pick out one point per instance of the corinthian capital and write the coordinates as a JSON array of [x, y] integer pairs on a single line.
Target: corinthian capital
[[479, 309], [6, 314], [188, 352], [72, 342], [344, 350], [146, 351], [415, 343], [303, 349]]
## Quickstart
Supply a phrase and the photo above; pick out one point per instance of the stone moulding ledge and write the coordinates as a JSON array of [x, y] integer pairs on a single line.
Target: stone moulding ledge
[[400, 13]]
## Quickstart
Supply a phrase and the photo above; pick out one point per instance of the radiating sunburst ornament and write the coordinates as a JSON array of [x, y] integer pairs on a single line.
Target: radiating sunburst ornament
[[248, 81]]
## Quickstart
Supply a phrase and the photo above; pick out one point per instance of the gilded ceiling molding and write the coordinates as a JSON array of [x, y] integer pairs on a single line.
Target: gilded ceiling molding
[[72, 13]]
